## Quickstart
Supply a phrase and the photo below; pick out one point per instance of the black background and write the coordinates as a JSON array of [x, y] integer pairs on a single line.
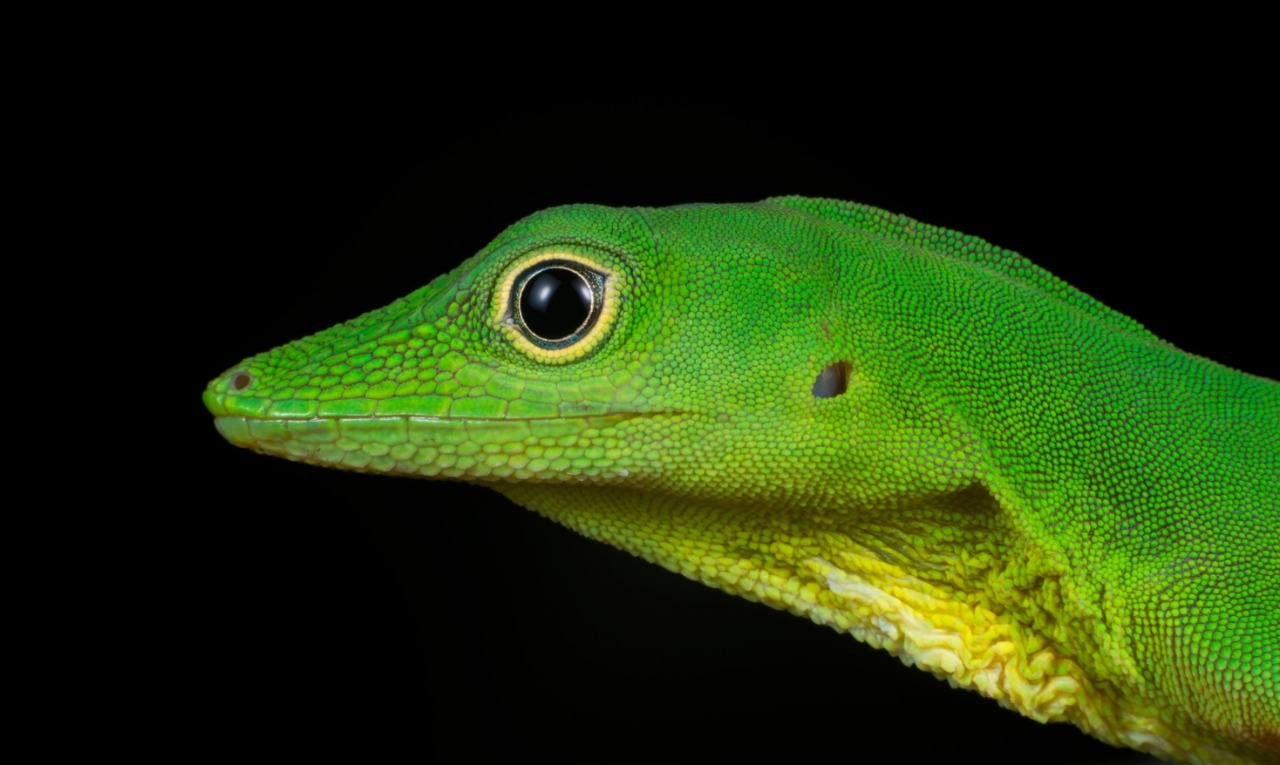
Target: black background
[[321, 609]]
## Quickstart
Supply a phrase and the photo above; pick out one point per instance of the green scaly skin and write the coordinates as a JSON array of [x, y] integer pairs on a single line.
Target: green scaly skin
[[1020, 490]]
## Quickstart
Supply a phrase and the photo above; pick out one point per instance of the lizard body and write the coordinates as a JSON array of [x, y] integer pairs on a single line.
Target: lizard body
[[893, 429]]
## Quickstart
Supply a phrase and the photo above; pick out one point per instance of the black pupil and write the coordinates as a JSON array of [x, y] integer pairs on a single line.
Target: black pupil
[[555, 303]]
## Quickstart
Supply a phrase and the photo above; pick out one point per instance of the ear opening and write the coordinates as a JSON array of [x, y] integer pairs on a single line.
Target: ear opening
[[833, 380]]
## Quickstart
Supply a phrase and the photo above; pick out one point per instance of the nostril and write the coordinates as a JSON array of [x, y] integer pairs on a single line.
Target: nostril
[[241, 380], [832, 381]]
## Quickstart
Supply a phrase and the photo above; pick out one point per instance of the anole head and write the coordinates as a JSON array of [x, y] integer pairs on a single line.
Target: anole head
[[701, 350]]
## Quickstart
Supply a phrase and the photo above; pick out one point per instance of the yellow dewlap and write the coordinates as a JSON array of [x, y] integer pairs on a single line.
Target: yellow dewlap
[[970, 647]]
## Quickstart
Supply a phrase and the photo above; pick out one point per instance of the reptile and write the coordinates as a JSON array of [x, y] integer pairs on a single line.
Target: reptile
[[894, 429]]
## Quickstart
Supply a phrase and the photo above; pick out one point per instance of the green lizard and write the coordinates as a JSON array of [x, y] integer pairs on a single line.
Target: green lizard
[[893, 429]]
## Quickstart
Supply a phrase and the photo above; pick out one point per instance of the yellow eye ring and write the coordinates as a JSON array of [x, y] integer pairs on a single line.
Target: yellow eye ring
[[556, 306]]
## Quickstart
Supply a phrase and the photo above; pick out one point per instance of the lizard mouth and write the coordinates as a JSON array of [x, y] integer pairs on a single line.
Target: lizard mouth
[[532, 448], [256, 432]]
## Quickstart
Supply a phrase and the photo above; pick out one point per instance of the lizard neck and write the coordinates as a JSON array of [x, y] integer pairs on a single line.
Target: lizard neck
[[939, 600]]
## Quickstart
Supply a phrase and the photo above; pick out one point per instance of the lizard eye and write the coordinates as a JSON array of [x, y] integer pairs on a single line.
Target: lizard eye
[[556, 302]]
